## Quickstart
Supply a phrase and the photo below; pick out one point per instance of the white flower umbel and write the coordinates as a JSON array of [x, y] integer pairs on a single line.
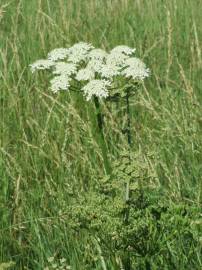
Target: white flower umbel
[[97, 54], [85, 74], [97, 58], [114, 62], [96, 88], [61, 82], [109, 71], [95, 65], [79, 52], [136, 69], [58, 54], [63, 68], [116, 59], [123, 49], [41, 64]]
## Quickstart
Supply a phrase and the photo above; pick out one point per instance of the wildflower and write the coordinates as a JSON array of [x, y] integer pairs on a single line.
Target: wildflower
[[85, 63], [41, 64], [95, 64], [96, 59], [135, 68], [97, 54], [58, 54], [123, 49], [85, 74], [61, 82], [79, 52], [116, 59], [97, 88], [108, 71], [63, 68], [114, 62]]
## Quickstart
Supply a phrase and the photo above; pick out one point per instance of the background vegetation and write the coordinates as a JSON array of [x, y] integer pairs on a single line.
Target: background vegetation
[[49, 142]]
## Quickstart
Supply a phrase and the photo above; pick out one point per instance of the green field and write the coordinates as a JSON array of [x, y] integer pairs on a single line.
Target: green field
[[49, 143]]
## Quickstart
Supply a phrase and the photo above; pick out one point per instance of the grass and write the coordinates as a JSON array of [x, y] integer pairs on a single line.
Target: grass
[[49, 142]]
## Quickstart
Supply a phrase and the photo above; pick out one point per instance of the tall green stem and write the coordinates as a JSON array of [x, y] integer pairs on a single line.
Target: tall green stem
[[128, 120], [126, 257], [128, 132], [101, 138]]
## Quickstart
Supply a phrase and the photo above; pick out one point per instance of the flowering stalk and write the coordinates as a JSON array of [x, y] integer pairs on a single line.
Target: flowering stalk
[[100, 73], [128, 132], [126, 256], [102, 142]]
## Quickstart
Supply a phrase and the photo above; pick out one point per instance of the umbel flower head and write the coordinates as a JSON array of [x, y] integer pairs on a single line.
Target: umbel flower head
[[93, 69], [85, 74], [61, 82], [42, 64], [62, 68], [135, 68], [58, 54], [96, 88]]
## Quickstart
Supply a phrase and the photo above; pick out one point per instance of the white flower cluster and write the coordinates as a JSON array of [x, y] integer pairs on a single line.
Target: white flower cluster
[[62, 68], [42, 64], [135, 68], [58, 54], [79, 52], [96, 88], [123, 49], [61, 82], [94, 67], [85, 74]]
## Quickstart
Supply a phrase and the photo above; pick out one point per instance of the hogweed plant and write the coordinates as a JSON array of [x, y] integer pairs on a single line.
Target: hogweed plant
[[125, 214], [97, 75]]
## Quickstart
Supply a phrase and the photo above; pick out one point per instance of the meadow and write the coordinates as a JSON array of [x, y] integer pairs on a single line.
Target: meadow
[[49, 143]]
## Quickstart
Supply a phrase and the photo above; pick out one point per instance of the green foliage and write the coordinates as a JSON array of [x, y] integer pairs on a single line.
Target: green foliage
[[154, 232]]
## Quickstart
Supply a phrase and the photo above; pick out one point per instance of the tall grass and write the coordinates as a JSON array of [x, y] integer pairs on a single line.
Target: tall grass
[[49, 143]]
